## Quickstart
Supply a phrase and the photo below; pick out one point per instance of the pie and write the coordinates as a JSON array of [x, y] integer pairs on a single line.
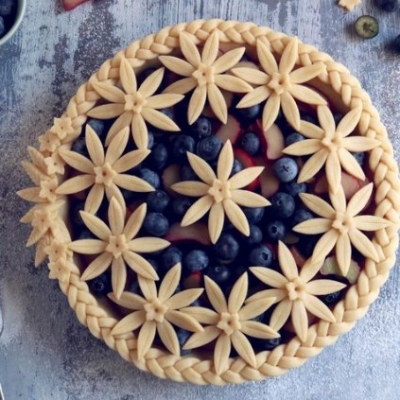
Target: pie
[[219, 202]]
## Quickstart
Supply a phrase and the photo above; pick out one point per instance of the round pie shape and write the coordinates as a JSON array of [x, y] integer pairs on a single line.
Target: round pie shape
[[329, 79]]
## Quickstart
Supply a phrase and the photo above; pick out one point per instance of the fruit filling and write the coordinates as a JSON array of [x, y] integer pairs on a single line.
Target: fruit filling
[[217, 202]]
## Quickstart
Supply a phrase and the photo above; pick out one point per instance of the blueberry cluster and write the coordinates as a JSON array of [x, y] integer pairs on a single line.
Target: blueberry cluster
[[234, 252], [8, 9]]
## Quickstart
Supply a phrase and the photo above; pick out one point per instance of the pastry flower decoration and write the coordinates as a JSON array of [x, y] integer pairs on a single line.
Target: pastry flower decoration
[[341, 226], [157, 312], [230, 323], [295, 292], [60, 261], [280, 84], [104, 172], [205, 74], [219, 193], [331, 145], [134, 107], [118, 246]]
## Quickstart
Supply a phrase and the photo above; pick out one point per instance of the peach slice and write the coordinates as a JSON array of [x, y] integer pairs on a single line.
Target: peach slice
[[300, 260], [169, 177], [197, 232], [331, 267], [350, 185], [247, 162], [268, 181], [272, 140], [231, 130]]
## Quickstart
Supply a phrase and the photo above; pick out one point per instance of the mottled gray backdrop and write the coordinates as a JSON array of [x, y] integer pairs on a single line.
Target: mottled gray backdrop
[[44, 352]]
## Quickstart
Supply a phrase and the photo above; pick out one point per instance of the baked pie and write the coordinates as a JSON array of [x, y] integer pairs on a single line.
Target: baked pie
[[219, 202]]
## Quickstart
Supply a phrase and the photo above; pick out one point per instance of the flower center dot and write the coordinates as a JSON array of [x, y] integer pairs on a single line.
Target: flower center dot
[[117, 245], [204, 75], [104, 174], [229, 323], [220, 190], [134, 102], [155, 310], [295, 289], [280, 83]]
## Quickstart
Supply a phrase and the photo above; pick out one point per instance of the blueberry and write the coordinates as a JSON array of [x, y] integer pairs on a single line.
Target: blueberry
[[7, 7], [337, 117], [150, 177], [249, 112], [227, 247], [171, 256], [79, 146], [168, 112], [294, 188], [2, 27], [387, 5], [101, 285], [181, 205], [75, 213], [310, 118], [129, 196], [260, 256], [331, 298], [275, 230], [285, 169], [209, 148], [301, 215], [154, 264], [157, 201], [84, 233], [134, 287], [156, 224], [183, 335], [237, 167], [306, 244], [293, 138], [254, 215], [250, 143], [396, 44], [282, 205], [360, 157], [150, 137], [218, 273], [181, 145], [255, 236], [201, 128], [145, 74], [196, 260], [158, 157], [99, 127], [187, 173], [265, 344]]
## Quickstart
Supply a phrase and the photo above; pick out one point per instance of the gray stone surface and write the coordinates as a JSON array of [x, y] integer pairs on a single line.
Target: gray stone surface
[[44, 352]]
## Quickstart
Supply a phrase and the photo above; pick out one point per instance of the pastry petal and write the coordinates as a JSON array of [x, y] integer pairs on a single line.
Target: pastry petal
[[290, 110], [160, 101], [196, 103], [129, 323], [215, 295], [116, 217], [117, 146], [133, 183], [197, 210], [139, 129], [130, 160], [317, 205], [306, 95], [228, 60], [225, 162], [123, 121], [325, 244], [343, 253], [246, 198], [183, 299], [94, 198], [168, 337], [300, 319], [236, 216], [350, 164], [96, 226], [182, 86], [107, 111], [244, 348], [306, 74], [145, 338], [245, 177], [177, 65], [135, 222], [266, 58], [97, 266], [191, 188], [147, 244], [363, 244], [251, 75], [269, 277], [109, 92], [210, 49], [184, 321], [370, 223], [271, 111], [201, 168], [313, 226], [75, 184], [349, 122], [257, 96], [232, 84], [287, 262], [170, 283], [202, 315], [88, 246], [217, 102], [322, 287], [199, 339], [359, 143], [304, 147], [326, 120], [189, 49], [238, 294], [151, 83], [216, 221], [77, 161], [316, 307], [255, 308], [128, 300], [127, 77], [148, 288], [221, 353], [139, 265], [289, 56], [118, 276], [281, 314]]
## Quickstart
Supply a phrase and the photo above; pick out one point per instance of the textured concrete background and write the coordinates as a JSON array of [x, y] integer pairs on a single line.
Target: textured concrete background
[[44, 352]]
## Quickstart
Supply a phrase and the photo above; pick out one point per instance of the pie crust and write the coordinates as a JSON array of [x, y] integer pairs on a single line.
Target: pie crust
[[204, 55]]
